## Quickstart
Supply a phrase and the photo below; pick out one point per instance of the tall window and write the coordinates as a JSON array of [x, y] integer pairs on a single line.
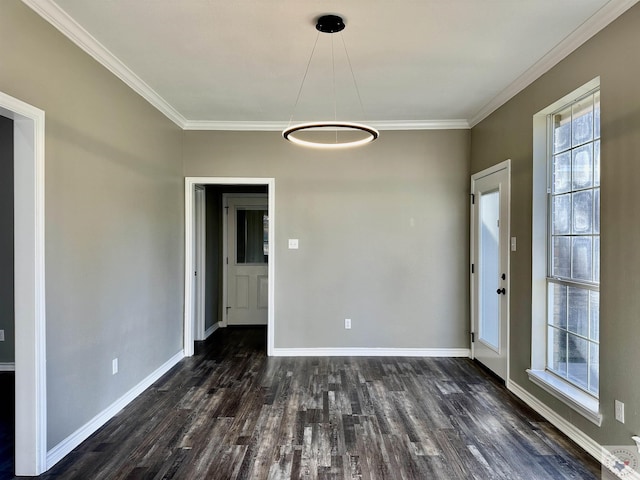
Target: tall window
[[573, 269]]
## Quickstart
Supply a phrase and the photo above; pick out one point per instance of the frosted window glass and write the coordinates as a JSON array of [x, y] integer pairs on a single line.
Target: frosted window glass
[[582, 212], [578, 311]]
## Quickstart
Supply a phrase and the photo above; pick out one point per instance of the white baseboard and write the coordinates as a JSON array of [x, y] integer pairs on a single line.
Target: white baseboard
[[371, 352], [58, 452], [211, 329], [7, 367], [587, 443]]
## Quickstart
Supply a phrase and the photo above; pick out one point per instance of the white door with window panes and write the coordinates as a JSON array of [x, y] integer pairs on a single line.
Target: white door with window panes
[[573, 231], [246, 265]]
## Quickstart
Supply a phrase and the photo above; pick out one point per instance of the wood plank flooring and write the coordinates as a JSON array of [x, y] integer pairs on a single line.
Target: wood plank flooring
[[230, 412], [7, 416]]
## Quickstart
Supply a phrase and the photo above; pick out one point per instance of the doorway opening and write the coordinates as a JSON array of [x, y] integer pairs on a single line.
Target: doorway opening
[[7, 324], [206, 292]]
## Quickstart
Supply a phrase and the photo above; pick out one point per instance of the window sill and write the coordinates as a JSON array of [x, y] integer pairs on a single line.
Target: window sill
[[584, 404]]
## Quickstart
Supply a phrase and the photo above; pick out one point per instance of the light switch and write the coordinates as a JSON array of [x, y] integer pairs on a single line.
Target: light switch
[[293, 244], [513, 244], [619, 411]]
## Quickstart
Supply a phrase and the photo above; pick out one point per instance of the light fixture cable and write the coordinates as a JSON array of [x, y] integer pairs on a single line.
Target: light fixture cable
[[335, 99], [353, 76], [304, 77]]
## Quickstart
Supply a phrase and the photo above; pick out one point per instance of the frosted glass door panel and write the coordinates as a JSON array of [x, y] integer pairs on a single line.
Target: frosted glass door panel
[[489, 269]]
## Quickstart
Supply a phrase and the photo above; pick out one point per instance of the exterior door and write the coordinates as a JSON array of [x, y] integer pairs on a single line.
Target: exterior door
[[246, 278], [490, 268]]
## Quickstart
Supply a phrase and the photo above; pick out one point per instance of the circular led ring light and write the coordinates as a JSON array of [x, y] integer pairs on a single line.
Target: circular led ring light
[[289, 134]]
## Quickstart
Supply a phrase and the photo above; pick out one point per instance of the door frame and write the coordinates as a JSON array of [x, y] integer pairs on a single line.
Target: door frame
[[29, 280], [189, 283], [225, 247], [506, 164]]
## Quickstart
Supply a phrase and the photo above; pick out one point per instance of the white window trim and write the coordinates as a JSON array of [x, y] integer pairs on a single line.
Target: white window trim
[[578, 400], [581, 402]]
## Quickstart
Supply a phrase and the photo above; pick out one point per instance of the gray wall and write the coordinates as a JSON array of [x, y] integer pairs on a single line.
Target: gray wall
[[383, 235], [6, 241], [114, 221], [612, 55]]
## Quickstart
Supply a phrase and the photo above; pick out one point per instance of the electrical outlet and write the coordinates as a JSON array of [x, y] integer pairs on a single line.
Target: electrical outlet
[[619, 411], [347, 323], [1, 335], [114, 366]]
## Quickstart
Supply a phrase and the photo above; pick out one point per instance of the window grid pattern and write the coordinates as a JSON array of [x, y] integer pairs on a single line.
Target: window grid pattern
[[574, 244]]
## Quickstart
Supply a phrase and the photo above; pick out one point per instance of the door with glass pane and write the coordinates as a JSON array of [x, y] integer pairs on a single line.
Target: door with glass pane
[[490, 267], [247, 260]]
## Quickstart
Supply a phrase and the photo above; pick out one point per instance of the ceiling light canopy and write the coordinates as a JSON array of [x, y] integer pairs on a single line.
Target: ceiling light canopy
[[332, 134]]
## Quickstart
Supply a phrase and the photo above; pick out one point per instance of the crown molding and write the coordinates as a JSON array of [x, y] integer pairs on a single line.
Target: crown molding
[[451, 124], [266, 126], [234, 125], [57, 17], [603, 17]]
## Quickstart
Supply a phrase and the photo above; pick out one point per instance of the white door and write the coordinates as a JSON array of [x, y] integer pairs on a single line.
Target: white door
[[247, 281], [490, 267]]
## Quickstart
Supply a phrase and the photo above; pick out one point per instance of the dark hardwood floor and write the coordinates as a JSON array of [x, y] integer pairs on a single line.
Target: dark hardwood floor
[[7, 415], [230, 412]]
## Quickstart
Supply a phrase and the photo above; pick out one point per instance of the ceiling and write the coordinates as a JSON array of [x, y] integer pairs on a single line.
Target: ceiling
[[238, 65]]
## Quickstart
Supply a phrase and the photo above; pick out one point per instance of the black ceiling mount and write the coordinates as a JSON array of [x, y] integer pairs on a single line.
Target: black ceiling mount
[[330, 24]]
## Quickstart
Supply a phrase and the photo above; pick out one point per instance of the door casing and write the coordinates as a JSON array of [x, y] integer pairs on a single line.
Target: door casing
[[29, 278]]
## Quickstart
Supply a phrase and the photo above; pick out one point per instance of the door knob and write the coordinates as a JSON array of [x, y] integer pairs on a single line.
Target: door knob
[[501, 291]]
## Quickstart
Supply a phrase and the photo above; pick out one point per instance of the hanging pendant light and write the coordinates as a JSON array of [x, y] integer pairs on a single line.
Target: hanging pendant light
[[331, 134]]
